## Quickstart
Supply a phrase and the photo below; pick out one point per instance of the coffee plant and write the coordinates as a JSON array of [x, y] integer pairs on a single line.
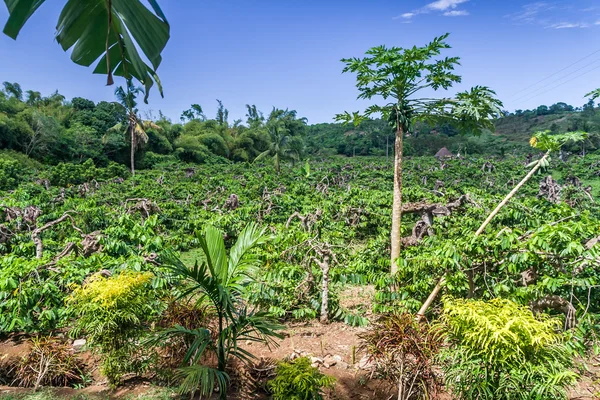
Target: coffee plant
[[328, 228]]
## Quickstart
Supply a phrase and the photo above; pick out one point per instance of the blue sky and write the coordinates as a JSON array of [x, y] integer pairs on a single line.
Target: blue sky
[[286, 54]]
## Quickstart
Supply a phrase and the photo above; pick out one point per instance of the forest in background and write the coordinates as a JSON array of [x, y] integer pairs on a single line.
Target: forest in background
[[52, 130]]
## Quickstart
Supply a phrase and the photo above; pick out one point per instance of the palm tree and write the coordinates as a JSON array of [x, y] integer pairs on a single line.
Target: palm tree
[[136, 127], [279, 148], [217, 284]]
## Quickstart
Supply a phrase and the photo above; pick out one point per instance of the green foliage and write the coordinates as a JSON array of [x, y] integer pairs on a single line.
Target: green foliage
[[500, 350], [10, 174], [126, 28], [298, 380], [217, 283], [398, 74], [65, 174], [111, 312], [545, 141]]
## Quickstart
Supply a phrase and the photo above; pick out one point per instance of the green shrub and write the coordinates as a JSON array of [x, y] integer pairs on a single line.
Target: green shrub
[[10, 174], [152, 160], [112, 312], [298, 380], [500, 350], [65, 174]]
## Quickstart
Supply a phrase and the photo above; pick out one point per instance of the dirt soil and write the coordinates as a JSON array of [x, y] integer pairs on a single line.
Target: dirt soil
[[335, 341]]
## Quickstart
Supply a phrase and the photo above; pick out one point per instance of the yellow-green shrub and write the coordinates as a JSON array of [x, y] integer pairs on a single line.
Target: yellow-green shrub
[[500, 350], [111, 312]]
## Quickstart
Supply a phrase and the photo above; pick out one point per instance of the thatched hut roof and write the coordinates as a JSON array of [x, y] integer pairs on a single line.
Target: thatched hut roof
[[443, 153]]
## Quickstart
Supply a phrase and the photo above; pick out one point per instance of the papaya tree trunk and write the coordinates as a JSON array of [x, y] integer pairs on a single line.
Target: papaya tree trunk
[[396, 235], [509, 196]]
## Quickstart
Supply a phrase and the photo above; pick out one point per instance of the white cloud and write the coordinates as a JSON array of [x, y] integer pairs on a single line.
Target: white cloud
[[531, 12], [443, 5], [456, 13], [446, 7], [569, 25]]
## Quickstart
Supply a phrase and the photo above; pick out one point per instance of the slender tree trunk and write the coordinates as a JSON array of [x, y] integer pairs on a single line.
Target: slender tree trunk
[[396, 235], [509, 196], [325, 291], [221, 358], [132, 123]]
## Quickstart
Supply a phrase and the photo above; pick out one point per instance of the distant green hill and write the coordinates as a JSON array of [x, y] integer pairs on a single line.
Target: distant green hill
[[512, 134]]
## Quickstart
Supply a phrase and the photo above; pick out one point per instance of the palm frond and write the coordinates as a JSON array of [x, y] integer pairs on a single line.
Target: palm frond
[[240, 263], [262, 155], [213, 246], [202, 379]]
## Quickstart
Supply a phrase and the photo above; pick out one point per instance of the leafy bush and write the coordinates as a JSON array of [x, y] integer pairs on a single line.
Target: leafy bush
[[152, 160], [65, 174], [500, 350], [112, 312], [402, 350], [298, 380], [10, 174]]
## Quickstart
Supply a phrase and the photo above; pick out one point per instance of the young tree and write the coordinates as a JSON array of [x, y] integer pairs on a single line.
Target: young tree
[[136, 127], [108, 31], [217, 284], [279, 146], [399, 76]]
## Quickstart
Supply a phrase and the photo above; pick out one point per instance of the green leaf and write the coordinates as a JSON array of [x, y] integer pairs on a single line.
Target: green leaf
[[19, 12], [116, 33]]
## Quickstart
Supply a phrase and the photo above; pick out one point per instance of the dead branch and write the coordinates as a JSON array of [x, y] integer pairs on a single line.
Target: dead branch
[[550, 190], [307, 222], [144, 206], [232, 202], [428, 211], [35, 235], [556, 303]]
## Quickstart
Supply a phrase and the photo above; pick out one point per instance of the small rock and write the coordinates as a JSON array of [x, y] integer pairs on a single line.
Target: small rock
[[316, 360], [329, 361], [337, 358], [79, 344], [342, 365], [248, 343]]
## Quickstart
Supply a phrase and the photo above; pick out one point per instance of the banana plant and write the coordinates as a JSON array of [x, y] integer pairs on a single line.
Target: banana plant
[[106, 32]]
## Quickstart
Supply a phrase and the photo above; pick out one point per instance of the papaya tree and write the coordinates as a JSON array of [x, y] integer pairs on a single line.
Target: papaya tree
[[399, 77], [110, 33]]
